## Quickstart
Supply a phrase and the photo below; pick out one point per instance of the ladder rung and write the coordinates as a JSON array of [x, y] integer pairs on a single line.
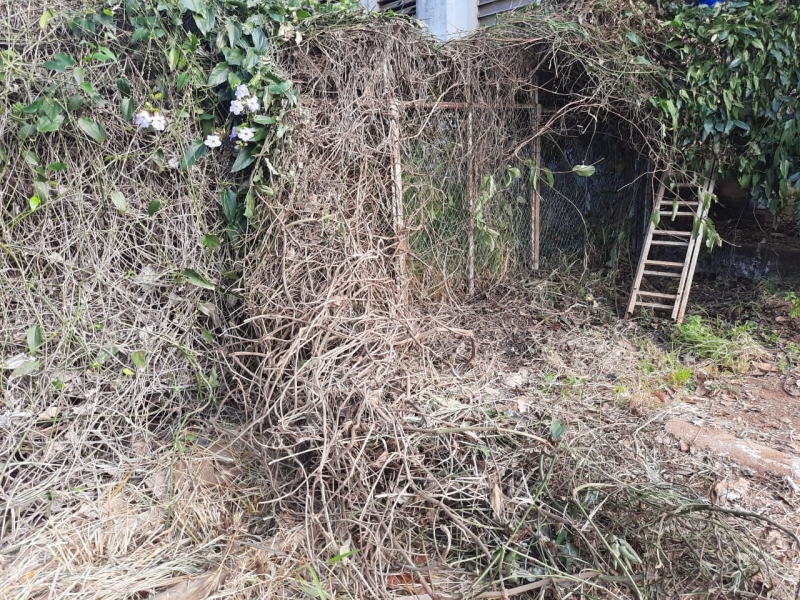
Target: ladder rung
[[680, 202], [668, 243], [657, 295], [670, 232], [655, 305], [662, 274], [681, 214], [663, 263]]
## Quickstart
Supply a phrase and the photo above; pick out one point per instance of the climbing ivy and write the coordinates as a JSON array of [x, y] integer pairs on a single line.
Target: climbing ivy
[[733, 93], [215, 61]]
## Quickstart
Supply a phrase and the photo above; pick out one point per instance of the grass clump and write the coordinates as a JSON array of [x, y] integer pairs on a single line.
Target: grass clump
[[730, 347]]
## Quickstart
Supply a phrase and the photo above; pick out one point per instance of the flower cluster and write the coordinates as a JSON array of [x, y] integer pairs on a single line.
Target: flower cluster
[[144, 120], [244, 102]]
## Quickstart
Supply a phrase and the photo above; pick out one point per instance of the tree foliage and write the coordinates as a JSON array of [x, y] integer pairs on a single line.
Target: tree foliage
[[733, 75]]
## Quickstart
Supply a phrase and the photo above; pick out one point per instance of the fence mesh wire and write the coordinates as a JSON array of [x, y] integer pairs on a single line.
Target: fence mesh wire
[[597, 218]]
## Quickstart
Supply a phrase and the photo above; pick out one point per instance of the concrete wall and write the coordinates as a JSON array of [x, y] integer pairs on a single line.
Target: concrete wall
[[447, 19]]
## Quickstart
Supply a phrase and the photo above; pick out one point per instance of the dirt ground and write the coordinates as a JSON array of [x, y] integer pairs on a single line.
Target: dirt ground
[[193, 517], [758, 410]]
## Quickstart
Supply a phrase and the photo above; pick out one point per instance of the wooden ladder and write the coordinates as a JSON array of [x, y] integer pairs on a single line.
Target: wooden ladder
[[687, 216]]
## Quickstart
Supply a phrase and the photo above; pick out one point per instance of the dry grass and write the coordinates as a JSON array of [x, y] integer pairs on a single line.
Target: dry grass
[[337, 439]]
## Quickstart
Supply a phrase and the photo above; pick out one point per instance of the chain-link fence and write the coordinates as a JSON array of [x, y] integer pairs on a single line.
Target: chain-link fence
[[469, 197]]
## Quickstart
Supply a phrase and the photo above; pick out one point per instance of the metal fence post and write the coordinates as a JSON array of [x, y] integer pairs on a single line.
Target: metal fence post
[[398, 214]]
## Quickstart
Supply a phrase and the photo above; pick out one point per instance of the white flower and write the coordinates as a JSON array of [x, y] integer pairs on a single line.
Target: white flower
[[213, 141], [233, 134], [174, 163], [142, 119], [245, 133], [242, 91], [158, 122], [237, 107], [252, 104]]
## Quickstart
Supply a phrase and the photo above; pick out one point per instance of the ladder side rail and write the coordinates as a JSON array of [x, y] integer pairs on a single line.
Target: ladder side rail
[[705, 207], [637, 282], [690, 251]]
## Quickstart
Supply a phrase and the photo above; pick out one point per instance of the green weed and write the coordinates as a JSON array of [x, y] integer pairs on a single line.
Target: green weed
[[731, 347]]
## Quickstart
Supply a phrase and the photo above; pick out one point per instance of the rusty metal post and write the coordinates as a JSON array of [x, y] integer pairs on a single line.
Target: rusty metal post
[[398, 212]]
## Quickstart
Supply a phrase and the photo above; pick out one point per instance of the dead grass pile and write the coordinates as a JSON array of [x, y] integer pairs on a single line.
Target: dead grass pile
[[403, 487], [345, 438], [101, 337]]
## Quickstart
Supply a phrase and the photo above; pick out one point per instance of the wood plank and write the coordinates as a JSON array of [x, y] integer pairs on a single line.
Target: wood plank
[[664, 263], [662, 274], [669, 243], [658, 295], [671, 232], [655, 305]]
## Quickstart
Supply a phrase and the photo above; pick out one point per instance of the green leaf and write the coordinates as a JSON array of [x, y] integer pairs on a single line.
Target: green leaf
[[234, 31], [153, 207], [119, 201], [583, 170], [138, 359], [106, 353], [243, 160], [93, 129], [195, 278], [74, 103], [127, 108], [264, 120], [548, 175], [211, 241], [656, 218], [196, 150], [56, 166], [173, 57], [124, 87], [34, 338], [34, 202], [340, 557], [182, 79], [219, 74], [104, 54], [249, 204], [47, 125], [192, 5], [46, 17], [205, 20], [33, 107], [139, 35], [25, 132], [229, 204], [50, 108], [259, 40], [60, 62], [31, 158], [25, 368], [557, 429], [277, 89], [633, 38]]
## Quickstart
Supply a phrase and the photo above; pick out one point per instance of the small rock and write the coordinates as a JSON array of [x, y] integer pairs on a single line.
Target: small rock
[[684, 446]]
